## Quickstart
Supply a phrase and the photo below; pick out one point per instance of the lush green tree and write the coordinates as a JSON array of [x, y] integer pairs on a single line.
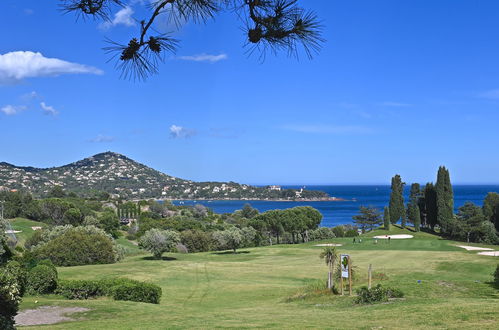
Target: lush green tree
[[472, 225], [159, 241], [53, 210], [369, 218], [249, 235], [196, 240], [231, 238], [413, 212], [445, 200], [430, 206], [396, 206], [386, 218], [109, 222], [249, 212], [274, 220], [10, 298], [330, 256], [73, 216], [57, 192], [491, 208], [74, 246]]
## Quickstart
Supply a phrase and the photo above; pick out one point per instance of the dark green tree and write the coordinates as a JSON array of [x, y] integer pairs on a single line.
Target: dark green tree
[[369, 218], [386, 218], [445, 201], [430, 206], [491, 208], [413, 213], [248, 212], [396, 206], [57, 192]]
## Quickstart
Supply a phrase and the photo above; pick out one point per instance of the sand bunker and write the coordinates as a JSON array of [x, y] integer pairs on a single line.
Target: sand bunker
[[46, 315], [492, 253], [12, 231], [474, 248], [399, 236], [329, 244]]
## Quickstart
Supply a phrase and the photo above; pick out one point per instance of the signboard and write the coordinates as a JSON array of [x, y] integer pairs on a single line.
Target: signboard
[[344, 265]]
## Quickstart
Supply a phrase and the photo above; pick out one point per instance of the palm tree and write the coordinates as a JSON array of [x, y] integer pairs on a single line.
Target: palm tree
[[330, 255]]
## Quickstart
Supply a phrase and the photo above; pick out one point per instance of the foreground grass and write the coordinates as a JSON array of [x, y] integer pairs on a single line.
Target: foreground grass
[[252, 289]]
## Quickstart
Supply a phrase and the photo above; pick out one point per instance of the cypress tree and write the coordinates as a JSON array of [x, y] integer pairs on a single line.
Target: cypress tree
[[396, 207], [386, 218], [413, 212], [445, 200], [430, 199]]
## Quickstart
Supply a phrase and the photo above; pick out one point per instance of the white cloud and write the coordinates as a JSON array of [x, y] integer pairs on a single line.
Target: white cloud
[[10, 110], [179, 132], [122, 17], [102, 139], [328, 129], [395, 104], [204, 58], [48, 110], [16, 66], [491, 94]]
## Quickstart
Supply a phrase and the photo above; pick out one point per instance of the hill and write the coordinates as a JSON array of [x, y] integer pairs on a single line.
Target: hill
[[117, 174]]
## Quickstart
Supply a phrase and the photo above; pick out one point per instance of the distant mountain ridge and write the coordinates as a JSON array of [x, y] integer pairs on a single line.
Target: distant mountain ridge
[[119, 175]]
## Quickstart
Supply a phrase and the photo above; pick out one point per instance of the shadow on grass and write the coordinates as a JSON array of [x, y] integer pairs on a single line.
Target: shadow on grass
[[162, 258], [230, 252]]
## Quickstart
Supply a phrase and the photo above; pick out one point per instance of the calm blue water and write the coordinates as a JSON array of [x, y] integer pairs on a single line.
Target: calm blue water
[[337, 213]]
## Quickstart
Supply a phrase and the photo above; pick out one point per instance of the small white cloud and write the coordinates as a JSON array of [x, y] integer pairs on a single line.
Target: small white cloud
[[179, 132], [204, 58], [11, 110], [395, 104], [48, 110], [492, 94], [122, 17], [328, 129], [16, 66], [102, 139]]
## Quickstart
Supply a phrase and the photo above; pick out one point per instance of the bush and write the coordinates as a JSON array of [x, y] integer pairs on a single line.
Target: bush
[[16, 270], [376, 294], [118, 289], [10, 297], [76, 247], [137, 291], [496, 276], [42, 279], [339, 231], [322, 233], [196, 240], [80, 289], [159, 241]]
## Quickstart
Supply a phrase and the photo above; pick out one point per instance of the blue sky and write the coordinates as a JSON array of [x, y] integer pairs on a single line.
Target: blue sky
[[399, 87]]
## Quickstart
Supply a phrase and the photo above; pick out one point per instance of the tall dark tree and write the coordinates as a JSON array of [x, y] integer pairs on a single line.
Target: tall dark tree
[[368, 218], [491, 208], [413, 213], [386, 218], [445, 201], [271, 25], [430, 199], [396, 207]]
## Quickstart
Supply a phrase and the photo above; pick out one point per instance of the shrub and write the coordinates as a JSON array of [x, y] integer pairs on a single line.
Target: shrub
[[196, 240], [42, 279], [77, 247], [10, 297], [376, 294], [339, 231], [159, 241], [118, 289], [137, 291], [80, 289], [322, 233], [16, 270], [496, 276]]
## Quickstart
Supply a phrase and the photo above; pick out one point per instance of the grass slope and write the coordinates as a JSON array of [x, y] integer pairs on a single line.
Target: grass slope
[[251, 289]]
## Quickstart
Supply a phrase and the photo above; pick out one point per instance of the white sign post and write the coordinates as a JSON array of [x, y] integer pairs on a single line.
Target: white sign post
[[344, 265]]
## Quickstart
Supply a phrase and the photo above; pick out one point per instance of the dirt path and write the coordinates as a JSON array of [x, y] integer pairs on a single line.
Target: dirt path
[[47, 315]]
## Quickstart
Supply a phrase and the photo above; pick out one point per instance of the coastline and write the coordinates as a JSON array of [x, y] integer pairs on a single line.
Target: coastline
[[327, 199]]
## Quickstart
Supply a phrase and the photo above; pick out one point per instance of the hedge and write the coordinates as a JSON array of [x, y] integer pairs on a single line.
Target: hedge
[[118, 289]]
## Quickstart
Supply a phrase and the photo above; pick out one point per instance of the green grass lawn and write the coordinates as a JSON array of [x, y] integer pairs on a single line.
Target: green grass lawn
[[251, 289], [24, 225]]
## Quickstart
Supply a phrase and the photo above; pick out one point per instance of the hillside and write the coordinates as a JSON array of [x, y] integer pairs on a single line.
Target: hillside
[[117, 174]]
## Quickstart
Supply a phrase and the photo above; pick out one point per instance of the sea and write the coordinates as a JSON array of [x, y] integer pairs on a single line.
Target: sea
[[341, 212]]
